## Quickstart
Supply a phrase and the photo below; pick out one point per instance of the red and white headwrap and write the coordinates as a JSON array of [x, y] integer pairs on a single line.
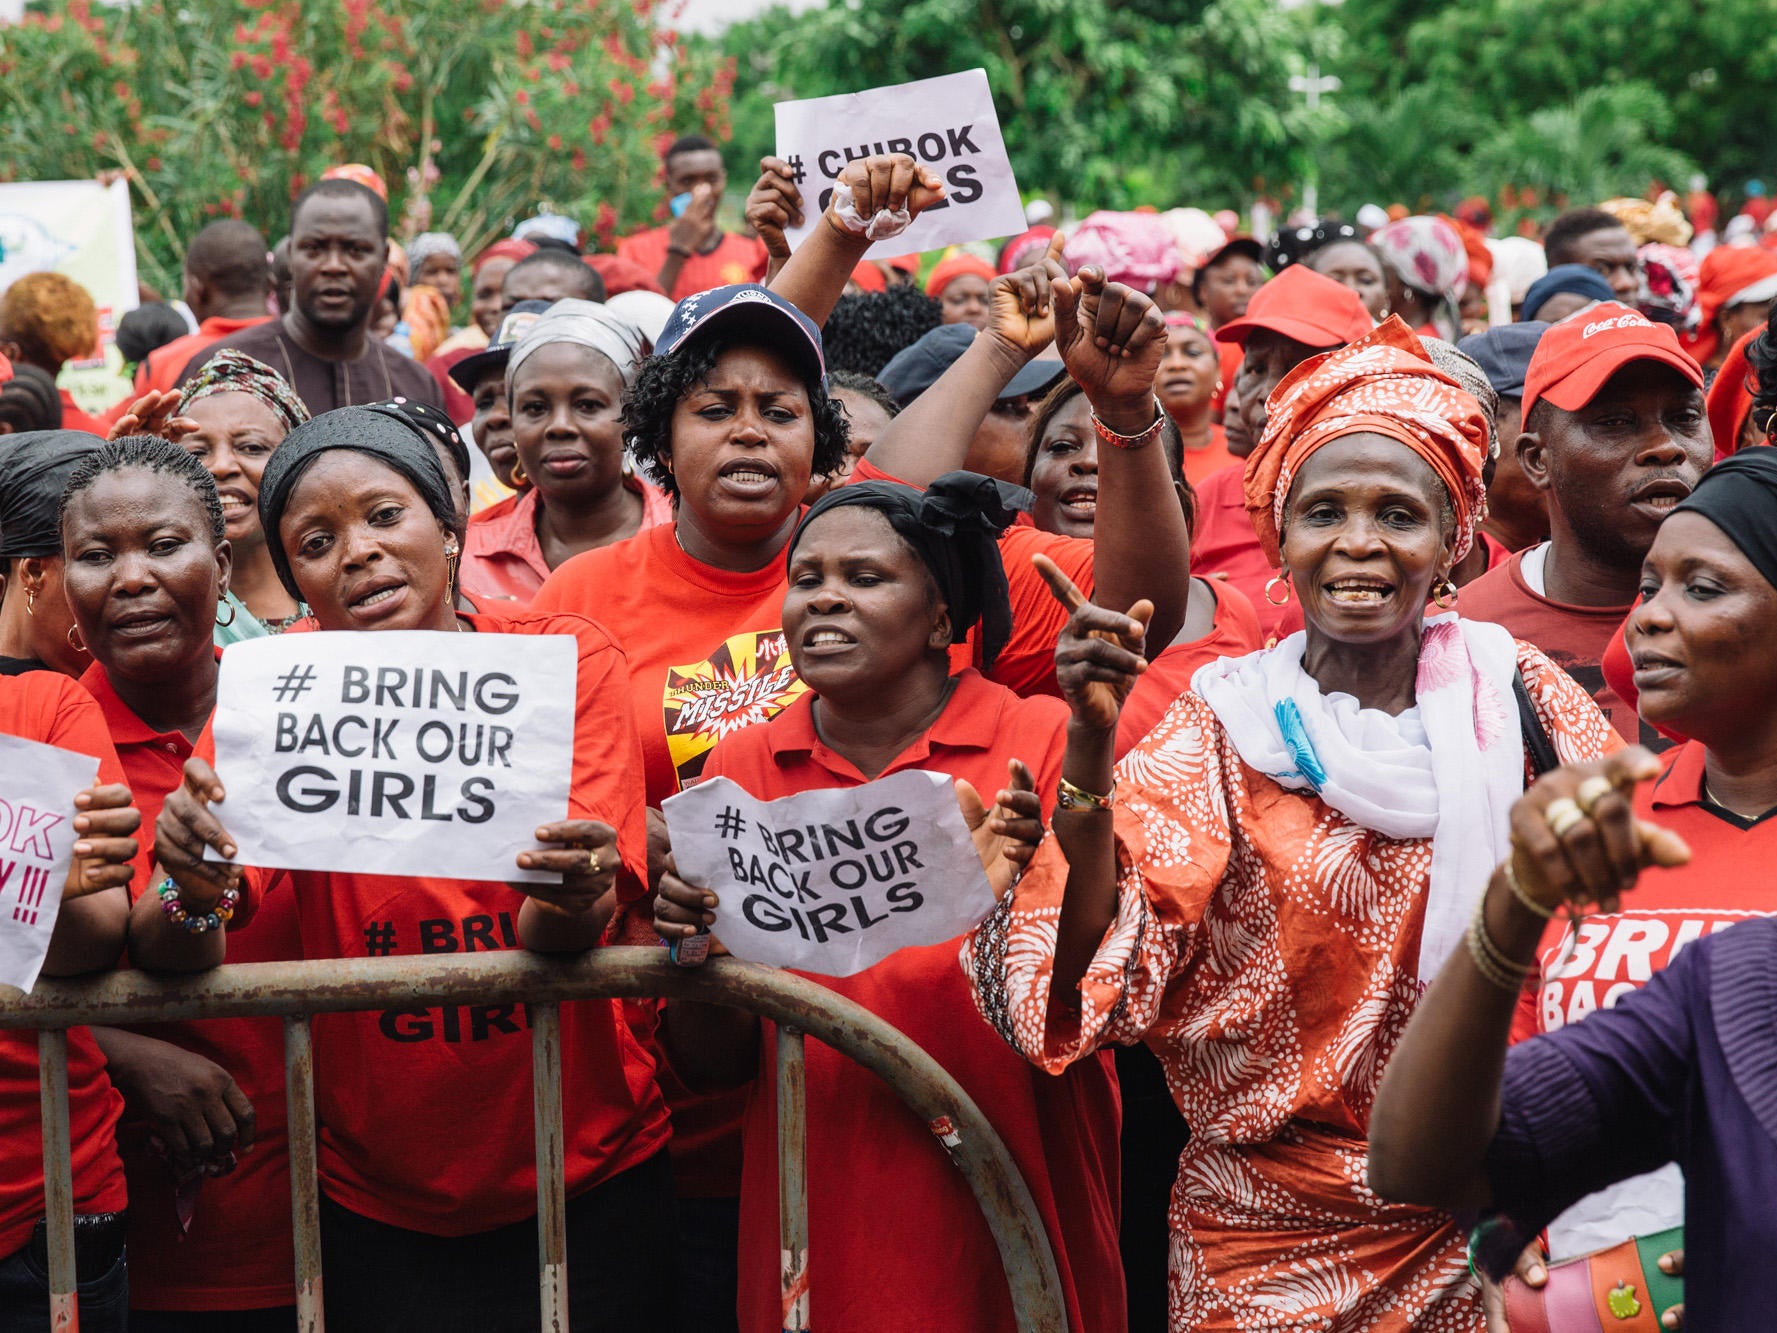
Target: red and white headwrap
[[1382, 384]]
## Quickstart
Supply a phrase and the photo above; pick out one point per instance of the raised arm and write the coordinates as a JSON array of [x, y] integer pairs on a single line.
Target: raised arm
[[773, 204], [814, 277], [1111, 339], [932, 434], [1438, 1109]]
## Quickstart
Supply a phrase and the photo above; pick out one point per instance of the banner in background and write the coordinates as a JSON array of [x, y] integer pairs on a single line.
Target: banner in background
[[81, 229]]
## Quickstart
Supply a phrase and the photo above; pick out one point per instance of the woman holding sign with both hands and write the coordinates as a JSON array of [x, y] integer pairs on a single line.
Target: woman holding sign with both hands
[[883, 581], [362, 527]]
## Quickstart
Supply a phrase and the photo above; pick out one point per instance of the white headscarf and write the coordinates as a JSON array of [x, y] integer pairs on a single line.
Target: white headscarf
[[590, 325]]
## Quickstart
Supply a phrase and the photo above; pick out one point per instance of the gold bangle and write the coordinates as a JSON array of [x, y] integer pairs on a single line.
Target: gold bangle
[[1069, 796], [1491, 961], [1529, 904]]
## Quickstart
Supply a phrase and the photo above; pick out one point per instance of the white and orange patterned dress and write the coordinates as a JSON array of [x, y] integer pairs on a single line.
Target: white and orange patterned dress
[[1264, 948]]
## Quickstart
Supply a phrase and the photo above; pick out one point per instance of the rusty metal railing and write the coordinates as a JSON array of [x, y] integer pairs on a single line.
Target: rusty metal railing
[[295, 991]]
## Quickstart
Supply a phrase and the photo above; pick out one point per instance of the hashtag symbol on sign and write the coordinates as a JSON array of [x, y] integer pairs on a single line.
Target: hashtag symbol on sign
[[729, 824], [797, 174], [379, 938], [294, 683]]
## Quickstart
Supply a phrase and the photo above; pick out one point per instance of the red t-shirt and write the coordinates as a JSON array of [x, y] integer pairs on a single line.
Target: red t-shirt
[[1202, 464], [48, 707], [426, 1115], [881, 1191], [735, 259], [502, 558], [1223, 542], [1574, 637], [237, 1254], [1233, 633]]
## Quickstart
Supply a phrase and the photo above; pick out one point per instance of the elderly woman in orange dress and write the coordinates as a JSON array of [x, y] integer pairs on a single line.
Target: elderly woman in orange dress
[[1275, 872]]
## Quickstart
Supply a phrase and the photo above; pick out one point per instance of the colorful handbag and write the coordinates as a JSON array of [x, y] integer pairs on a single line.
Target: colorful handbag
[[1619, 1290]]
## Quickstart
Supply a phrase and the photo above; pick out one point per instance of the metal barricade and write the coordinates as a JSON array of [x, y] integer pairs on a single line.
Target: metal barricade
[[295, 991]]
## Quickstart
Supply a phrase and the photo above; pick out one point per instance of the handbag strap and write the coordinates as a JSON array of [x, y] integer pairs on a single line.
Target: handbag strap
[[1537, 745]]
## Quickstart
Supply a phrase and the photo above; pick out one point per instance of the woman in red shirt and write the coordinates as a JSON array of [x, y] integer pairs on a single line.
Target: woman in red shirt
[[51, 709], [566, 379], [883, 579], [427, 1170], [148, 566], [36, 631], [1187, 384]]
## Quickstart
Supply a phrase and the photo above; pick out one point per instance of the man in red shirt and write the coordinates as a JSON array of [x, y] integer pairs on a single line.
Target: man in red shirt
[[1296, 315], [1615, 435], [693, 253], [227, 277]]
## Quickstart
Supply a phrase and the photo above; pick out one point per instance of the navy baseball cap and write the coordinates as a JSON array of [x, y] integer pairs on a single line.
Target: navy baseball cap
[[1504, 353], [1569, 279], [468, 372], [915, 368], [746, 306]]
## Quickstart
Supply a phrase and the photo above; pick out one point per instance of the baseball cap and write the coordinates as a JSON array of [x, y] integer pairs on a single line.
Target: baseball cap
[[1569, 280], [746, 306], [1576, 356], [468, 372], [915, 368], [1504, 353], [1305, 307], [1236, 245]]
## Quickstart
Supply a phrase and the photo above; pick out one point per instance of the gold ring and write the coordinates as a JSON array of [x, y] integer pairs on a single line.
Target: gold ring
[[595, 866], [1562, 815], [1593, 790]]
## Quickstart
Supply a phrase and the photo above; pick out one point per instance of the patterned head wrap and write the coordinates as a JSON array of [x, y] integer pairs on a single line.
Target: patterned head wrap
[[1427, 254], [230, 371], [1381, 384], [1669, 286], [589, 324]]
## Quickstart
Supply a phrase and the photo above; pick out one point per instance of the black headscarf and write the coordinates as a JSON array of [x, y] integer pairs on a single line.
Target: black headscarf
[[1739, 496], [385, 434], [34, 469], [955, 527], [435, 424]]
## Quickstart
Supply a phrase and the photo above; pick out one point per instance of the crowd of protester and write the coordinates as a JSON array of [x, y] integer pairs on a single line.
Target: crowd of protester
[[1348, 645]]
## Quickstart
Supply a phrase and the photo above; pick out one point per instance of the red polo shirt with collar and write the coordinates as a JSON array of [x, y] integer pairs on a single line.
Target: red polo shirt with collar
[[237, 1253], [48, 707], [868, 1155], [502, 558]]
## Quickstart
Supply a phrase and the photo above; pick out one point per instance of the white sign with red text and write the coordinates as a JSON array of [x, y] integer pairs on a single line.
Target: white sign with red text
[[38, 784]]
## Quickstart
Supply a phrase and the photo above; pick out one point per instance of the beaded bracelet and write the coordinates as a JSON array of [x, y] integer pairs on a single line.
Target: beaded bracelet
[[197, 922], [1108, 436], [1491, 961]]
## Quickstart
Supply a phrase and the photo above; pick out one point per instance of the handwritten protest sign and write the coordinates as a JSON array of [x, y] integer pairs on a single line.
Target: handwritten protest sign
[[402, 752], [948, 123], [38, 784], [834, 881]]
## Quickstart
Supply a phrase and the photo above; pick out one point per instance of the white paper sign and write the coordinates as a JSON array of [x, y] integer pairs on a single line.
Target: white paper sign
[[38, 784], [832, 881], [948, 123], [399, 752]]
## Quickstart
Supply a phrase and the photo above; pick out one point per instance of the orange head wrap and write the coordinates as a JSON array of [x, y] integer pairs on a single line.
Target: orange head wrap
[[1730, 396], [1382, 384], [949, 270]]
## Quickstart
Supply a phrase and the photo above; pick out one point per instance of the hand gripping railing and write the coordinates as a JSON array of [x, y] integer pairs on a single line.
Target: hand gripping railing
[[295, 991]]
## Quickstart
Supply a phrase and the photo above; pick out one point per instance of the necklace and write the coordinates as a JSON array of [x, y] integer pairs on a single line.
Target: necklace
[[1714, 800]]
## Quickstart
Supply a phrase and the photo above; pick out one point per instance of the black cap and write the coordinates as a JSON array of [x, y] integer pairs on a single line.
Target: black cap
[[1503, 353], [914, 369], [469, 371]]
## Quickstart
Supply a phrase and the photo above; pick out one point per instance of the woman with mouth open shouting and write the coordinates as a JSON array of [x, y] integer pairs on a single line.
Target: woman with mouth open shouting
[[363, 527], [1264, 884], [882, 580]]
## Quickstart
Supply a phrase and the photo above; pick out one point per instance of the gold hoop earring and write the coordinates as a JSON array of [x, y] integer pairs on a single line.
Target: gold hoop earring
[[224, 602], [1278, 581], [74, 641], [519, 480], [1443, 594]]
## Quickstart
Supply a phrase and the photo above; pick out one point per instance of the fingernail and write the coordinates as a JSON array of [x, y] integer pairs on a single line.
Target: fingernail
[[709, 900], [82, 848], [228, 849]]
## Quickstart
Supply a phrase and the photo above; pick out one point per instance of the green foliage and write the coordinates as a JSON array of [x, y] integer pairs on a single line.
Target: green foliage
[[474, 112], [1104, 103]]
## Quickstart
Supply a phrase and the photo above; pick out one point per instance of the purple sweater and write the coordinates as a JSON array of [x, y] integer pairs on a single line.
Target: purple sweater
[[1684, 1070]]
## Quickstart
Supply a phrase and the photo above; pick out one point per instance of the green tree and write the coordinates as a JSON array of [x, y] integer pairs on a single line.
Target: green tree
[[474, 113], [1102, 103]]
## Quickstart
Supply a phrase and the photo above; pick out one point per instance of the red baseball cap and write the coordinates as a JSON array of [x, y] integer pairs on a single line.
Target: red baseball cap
[[1576, 356], [1304, 306]]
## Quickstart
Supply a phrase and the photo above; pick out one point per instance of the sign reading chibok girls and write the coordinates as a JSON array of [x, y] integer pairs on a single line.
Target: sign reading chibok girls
[[38, 784], [947, 123], [831, 881], [402, 752]]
